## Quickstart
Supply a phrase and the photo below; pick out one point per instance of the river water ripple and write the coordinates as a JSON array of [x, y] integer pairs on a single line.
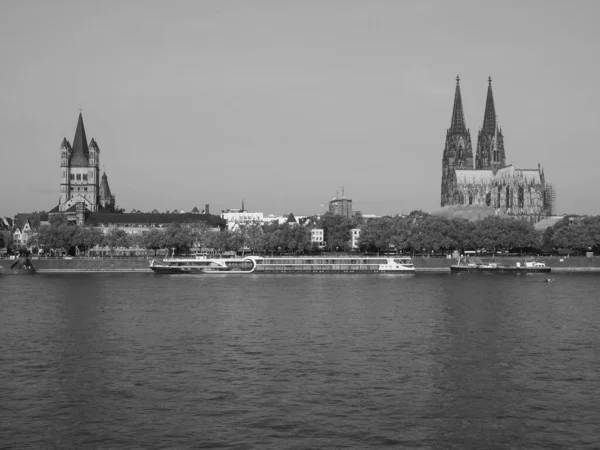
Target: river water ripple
[[119, 361]]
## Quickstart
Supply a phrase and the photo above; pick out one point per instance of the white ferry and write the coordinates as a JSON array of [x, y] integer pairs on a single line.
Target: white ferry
[[303, 264], [201, 264]]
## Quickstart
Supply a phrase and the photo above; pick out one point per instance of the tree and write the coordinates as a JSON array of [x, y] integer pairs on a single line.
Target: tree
[[255, 237], [337, 231], [490, 233], [593, 226], [573, 237], [379, 234], [462, 232], [153, 240], [87, 237], [60, 234], [178, 237], [520, 235], [200, 233], [115, 238], [274, 240], [436, 234], [548, 238]]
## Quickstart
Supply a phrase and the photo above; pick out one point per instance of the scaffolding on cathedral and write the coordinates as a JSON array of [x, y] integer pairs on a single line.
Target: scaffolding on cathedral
[[551, 195]]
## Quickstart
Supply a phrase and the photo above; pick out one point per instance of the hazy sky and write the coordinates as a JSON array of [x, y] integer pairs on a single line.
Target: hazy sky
[[284, 102]]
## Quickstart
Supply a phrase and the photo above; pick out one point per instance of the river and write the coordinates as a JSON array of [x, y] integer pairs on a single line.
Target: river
[[121, 361]]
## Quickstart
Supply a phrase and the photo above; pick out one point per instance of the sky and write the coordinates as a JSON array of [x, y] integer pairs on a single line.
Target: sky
[[284, 103]]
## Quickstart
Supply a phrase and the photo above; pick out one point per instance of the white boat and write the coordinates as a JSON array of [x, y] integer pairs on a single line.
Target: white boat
[[333, 264], [201, 264], [301, 264]]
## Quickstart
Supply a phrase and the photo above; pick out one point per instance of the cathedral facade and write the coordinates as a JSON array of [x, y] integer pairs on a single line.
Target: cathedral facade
[[485, 180], [81, 187]]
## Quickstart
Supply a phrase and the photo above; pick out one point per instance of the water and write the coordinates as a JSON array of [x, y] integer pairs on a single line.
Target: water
[[299, 361]]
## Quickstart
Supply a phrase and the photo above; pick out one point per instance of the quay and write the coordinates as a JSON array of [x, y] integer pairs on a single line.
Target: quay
[[97, 270], [422, 265]]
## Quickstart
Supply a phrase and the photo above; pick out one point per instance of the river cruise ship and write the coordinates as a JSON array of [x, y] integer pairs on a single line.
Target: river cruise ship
[[304, 264], [331, 264]]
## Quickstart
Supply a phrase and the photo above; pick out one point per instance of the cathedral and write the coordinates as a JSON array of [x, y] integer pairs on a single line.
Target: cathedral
[[486, 180], [81, 187]]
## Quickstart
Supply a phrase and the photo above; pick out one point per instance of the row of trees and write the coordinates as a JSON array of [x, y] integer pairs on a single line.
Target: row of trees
[[255, 237], [419, 232], [583, 235]]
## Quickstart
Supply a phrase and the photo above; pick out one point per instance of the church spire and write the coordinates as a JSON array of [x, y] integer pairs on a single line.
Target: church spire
[[489, 117], [81, 152], [457, 123]]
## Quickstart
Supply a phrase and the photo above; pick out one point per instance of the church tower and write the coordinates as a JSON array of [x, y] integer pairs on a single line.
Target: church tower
[[458, 152], [106, 199], [79, 182], [490, 141]]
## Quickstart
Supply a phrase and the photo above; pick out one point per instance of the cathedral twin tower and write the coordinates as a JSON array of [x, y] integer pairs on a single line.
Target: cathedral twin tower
[[488, 181]]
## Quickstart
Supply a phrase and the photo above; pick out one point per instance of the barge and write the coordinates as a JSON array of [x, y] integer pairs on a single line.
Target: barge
[[476, 265]]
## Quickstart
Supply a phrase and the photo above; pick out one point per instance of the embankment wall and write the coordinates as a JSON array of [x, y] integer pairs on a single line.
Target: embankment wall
[[560, 264]]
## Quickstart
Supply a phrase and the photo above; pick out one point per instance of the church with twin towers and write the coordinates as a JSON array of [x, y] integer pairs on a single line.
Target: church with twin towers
[[485, 180]]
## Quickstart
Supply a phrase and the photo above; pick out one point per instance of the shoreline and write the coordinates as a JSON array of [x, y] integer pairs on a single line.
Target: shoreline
[[422, 265]]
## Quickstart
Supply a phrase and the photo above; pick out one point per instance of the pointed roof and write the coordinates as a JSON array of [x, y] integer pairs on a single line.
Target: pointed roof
[[105, 193], [195, 210], [457, 124], [81, 152], [94, 145], [489, 117], [21, 220], [65, 144]]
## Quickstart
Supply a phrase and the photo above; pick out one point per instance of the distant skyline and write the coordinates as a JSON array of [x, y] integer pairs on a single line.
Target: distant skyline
[[283, 103]]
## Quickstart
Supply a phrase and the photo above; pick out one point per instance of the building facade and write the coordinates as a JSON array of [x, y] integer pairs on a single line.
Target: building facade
[[317, 236], [487, 180], [80, 180], [341, 206], [354, 238]]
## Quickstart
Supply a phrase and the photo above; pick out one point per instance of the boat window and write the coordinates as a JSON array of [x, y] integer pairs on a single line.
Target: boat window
[[403, 261]]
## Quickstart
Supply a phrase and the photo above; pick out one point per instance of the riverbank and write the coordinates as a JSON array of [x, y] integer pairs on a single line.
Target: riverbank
[[422, 265]]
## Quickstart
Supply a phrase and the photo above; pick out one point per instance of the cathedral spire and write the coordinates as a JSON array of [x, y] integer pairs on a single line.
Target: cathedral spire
[[457, 123], [458, 151], [489, 117], [490, 153], [81, 152]]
